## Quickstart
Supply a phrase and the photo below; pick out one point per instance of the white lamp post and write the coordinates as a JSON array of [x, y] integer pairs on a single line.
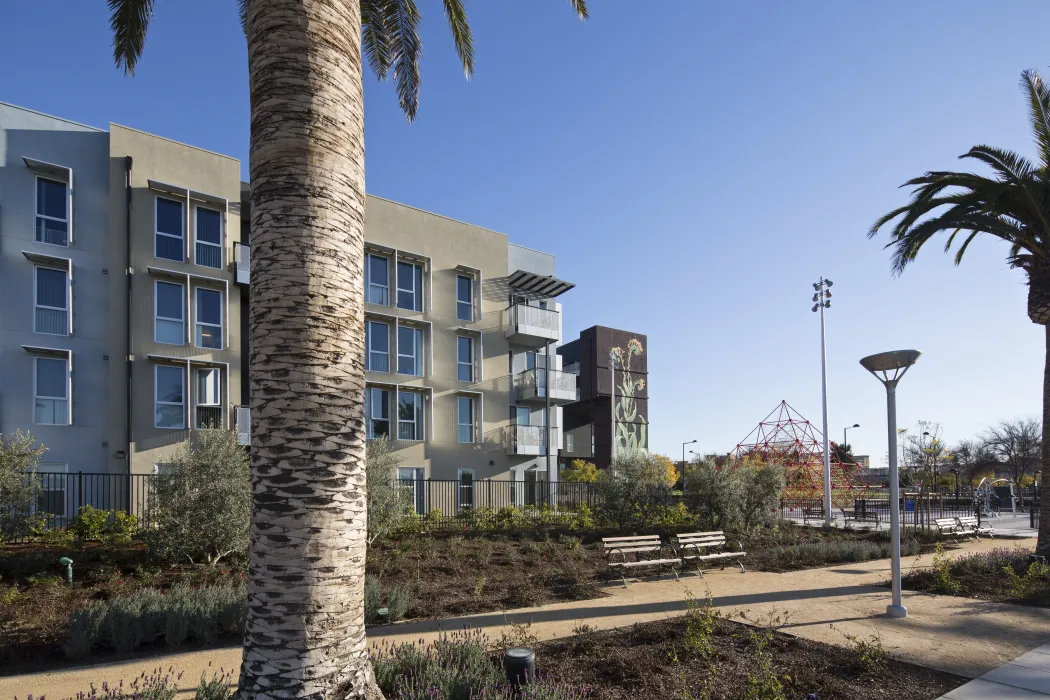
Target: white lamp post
[[888, 368], [821, 301]]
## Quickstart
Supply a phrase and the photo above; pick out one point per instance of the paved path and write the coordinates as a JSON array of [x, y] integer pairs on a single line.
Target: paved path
[[1025, 678], [966, 637]]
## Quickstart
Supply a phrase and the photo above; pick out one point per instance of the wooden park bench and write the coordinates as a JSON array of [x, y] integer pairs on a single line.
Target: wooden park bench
[[646, 551], [968, 524], [949, 527], [707, 546], [813, 513], [862, 515]]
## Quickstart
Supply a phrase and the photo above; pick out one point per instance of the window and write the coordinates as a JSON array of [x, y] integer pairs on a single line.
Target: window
[[208, 251], [465, 418], [530, 360], [168, 239], [377, 412], [464, 358], [520, 415], [169, 323], [170, 392], [466, 488], [51, 391], [51, 499], [409, 286], [413, 477], [209, 404], [568, 442], [51, 301], [52, 217], [377, 280], [410, 350], [377, 340], [464, 298], [209, 318], [409, 415]]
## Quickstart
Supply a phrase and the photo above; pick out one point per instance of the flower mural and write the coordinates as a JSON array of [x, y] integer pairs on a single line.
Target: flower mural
[[630, 427]]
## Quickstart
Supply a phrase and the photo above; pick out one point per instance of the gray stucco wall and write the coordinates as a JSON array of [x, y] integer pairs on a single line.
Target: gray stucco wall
[[522, 258], [85, 150]]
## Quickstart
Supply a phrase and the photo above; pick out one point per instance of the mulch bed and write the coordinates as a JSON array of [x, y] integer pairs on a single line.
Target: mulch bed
[[653, 660]]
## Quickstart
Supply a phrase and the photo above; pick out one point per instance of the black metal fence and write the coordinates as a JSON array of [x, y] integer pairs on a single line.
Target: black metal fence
[[62, 495], [916, 510]]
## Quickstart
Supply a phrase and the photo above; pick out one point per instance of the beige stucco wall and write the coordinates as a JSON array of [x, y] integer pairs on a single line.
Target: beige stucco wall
[[181, 166]]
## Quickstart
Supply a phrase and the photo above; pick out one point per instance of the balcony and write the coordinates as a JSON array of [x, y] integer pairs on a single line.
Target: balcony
[[535, 384], [527, 439], [531, 325], [242, 263]]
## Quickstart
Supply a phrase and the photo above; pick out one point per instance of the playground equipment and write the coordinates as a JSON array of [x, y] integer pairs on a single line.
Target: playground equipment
[[787, 437], [984, 491]]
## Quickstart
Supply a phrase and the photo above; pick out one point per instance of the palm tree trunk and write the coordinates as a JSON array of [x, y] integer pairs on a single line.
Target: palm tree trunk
[[305, 635], [1043, 545]]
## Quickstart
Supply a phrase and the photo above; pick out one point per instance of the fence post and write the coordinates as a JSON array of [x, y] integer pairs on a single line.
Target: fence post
[[80, 490]]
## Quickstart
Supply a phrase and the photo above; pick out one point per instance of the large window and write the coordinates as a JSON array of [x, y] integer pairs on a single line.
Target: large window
[[208, 413], [377, 340], [464, 298], [464, 358], [377, 279], [465, 418], [170, 392], [51, 391], [208, 251], [170, 308], [409, 415], [52, 215], [410, 350], [209, 318], [377, 412], [168, 240], [51, 301], [520, 415], [409, 286]]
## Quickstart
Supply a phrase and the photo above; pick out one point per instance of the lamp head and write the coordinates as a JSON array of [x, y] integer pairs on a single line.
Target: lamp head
[[855, 425], [888, 367]]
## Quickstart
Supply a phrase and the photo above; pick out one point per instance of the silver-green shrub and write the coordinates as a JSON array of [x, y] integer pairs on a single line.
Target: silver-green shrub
[[85, 629], [634, 492], [19, 487], [201, 502], [389, 504]]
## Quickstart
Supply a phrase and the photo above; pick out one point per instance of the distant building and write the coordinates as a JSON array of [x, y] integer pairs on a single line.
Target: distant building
[[864, 461]]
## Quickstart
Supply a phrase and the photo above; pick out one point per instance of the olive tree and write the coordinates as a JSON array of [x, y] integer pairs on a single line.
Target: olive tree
[[19, 487], [389, 503]]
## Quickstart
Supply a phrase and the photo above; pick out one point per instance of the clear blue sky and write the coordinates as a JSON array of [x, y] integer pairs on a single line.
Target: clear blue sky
[[694, 169]]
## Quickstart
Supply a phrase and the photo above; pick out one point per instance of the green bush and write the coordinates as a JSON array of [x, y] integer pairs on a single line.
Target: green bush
[[201, 502], [127, 623], [740, 494], [633, 492], [396, 597], [109, 526], [158, 685], [389, 503], [19, 457]]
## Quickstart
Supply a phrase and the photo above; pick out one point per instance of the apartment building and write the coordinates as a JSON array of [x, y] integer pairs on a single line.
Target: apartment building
[[123, 314], [612, 369]]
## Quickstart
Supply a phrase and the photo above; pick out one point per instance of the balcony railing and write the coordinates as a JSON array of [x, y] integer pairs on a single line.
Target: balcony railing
[[528, 439], [209, 417], [530, 325], [534, 384], [242, 262]]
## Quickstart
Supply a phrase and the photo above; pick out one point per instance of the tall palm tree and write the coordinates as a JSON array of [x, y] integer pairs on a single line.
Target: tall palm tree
[[305, 633], [1013, 206]]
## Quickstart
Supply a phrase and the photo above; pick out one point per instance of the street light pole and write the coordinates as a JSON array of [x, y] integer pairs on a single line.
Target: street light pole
[[844, 440], [612, 406], [889, 367], [821, 301], [691, 442]]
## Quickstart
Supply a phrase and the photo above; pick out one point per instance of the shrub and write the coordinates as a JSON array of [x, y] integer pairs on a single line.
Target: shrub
[[1021, 586], [85, 629], [201, 501], [158, 685], [580, 470], [109, 526], [19, 457], [943, 582], [397, 602], [711, 493], [389, 503], [216, 688], [761, 485], [634, 491]]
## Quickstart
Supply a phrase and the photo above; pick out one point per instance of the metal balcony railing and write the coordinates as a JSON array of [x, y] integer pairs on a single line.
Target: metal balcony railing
[[530, 324], [534, 384]]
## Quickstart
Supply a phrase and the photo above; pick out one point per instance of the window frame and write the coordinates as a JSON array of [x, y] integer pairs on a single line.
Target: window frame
[[221, 245], [36, 210], [158, 402], [416, 292], [418, 362], [156, 313], [368, 278], [460, 363], [370, 433], [569, 442], [66, 384], [37, 305], [197, 397], [472, 423], [197, 323], [182, 226], [472, 316], [418, 420], [368, 345]]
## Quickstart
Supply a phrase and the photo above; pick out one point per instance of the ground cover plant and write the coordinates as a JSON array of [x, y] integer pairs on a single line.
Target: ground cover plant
[[1003, 574]]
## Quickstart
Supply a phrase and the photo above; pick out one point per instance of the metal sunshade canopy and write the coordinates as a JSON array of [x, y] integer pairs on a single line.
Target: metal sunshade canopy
[[538, 285]]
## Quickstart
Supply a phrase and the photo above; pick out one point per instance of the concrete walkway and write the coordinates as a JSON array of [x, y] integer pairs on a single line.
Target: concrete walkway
[[1025, 678], [966, 637]]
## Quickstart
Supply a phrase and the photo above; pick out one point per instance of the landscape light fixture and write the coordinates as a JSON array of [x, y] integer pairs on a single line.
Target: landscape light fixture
[[889, 368], [823, 301]]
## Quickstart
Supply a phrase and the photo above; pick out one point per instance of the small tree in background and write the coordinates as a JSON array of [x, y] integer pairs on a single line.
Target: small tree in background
[[667, 470], [388, 502], [633, 491], [712, 493], [19, 488], [580, 470], [201, 502], [760, 486]]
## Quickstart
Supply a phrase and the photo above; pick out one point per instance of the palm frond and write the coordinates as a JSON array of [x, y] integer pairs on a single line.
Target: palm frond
[[402, 24], [464, 40], [580, 8], [375, 36], [129, 21], [1039, 111]]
